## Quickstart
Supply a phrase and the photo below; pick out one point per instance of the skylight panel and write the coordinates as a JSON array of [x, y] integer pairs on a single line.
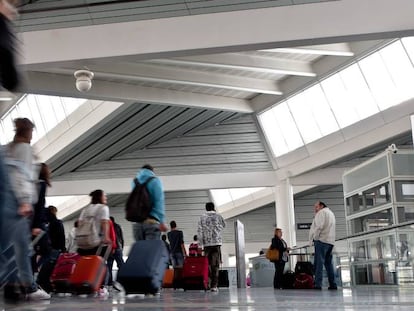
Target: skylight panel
[[339, 101], [287, 126], [359, 95], [400, 69], [321, 110], [408, 44], [379, 81], [273, 133], [45, 112], [303, 115]]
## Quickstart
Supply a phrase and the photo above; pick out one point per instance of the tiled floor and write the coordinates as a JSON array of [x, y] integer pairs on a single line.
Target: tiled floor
[[261, 299]]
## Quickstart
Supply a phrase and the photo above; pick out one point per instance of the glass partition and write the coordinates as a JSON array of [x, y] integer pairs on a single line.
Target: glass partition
[[371, 222], [373, 197]]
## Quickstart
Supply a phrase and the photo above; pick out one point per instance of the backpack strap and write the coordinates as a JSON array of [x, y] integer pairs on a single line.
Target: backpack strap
[[148, 180]]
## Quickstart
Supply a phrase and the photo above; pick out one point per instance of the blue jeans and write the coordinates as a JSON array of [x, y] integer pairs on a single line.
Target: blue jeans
[[177, 259], [15, 231], [145, 231], [323, 257]]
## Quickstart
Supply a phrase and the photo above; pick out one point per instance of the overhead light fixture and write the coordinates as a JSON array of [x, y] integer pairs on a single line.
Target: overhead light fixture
[[6, 96]]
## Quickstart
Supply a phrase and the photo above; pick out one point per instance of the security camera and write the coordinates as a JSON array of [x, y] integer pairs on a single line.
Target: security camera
[[392, 148], [83, 80]]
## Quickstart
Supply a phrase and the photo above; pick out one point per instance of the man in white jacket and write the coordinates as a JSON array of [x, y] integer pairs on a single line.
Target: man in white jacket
[[322, 234]]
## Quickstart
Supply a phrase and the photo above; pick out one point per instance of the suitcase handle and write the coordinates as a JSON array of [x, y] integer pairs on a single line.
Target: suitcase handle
[[107, 252]]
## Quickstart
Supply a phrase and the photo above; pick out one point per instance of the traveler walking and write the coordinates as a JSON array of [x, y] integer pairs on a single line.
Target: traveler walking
[[210, 227]]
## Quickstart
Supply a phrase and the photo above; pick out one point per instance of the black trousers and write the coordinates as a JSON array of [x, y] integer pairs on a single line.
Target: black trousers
[[277, 279], [9, 77]]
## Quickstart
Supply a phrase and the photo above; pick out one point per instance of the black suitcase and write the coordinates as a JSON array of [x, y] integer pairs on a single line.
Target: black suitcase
[[223, 278], [144, 269], [304, 267]]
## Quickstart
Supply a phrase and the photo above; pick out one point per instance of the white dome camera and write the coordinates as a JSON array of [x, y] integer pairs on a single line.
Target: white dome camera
[[83, 80], [392, 148]]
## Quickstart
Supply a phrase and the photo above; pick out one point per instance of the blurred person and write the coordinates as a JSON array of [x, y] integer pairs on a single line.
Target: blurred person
[[19, 160], [167, 245], [72, 247], [117, 254], [210, 227], [56, 230], [195, 249], [9, 77], [177, 252], [151, 228], [279, 244], [40, 218]]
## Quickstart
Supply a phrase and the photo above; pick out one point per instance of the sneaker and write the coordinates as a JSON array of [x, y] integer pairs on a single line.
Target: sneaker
[[214, 289], [38, 294], [103, 292], [117, 287]]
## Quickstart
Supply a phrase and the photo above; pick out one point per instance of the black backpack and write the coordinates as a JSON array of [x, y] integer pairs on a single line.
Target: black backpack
[[139, 205]]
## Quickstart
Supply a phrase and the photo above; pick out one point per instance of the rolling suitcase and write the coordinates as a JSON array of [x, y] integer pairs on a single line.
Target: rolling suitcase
[[304, 267], [303, 281], [223, 278], [144, 269], [195, 273], [89, 273], [168, 280], [64, 268]]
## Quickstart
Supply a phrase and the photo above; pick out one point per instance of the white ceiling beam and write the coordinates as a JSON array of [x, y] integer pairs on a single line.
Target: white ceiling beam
[[325, 176], [171, 183], [61, 85], [245, 62], [334, 49], [174, 75], [284, 26]]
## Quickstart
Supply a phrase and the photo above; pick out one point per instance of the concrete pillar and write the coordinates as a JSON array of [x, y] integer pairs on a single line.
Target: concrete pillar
[[285, 213]]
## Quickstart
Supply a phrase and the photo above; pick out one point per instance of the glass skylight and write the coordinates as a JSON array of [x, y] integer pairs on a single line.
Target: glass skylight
[[45, 111], [373, 84], [224, 196]]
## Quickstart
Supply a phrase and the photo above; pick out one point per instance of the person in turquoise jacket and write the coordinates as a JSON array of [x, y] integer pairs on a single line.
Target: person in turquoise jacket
[[151, 228]]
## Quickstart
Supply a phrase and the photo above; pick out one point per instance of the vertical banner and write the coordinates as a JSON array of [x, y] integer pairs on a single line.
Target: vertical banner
[[240, 257]]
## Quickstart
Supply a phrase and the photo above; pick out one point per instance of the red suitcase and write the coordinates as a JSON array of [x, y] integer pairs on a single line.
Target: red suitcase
[[303, 281], [89, 273], [64, 268], [195, 273]]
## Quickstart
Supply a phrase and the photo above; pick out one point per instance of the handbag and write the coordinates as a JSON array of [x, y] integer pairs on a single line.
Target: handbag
[[272, 254]]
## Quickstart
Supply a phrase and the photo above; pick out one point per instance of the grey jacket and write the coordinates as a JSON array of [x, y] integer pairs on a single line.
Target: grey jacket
[[19, 159]]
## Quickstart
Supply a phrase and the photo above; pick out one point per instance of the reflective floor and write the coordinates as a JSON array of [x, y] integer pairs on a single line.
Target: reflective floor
[[365, 298]]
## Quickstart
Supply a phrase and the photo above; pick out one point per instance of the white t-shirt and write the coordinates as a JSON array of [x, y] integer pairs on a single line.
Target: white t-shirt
[[99, 211]]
